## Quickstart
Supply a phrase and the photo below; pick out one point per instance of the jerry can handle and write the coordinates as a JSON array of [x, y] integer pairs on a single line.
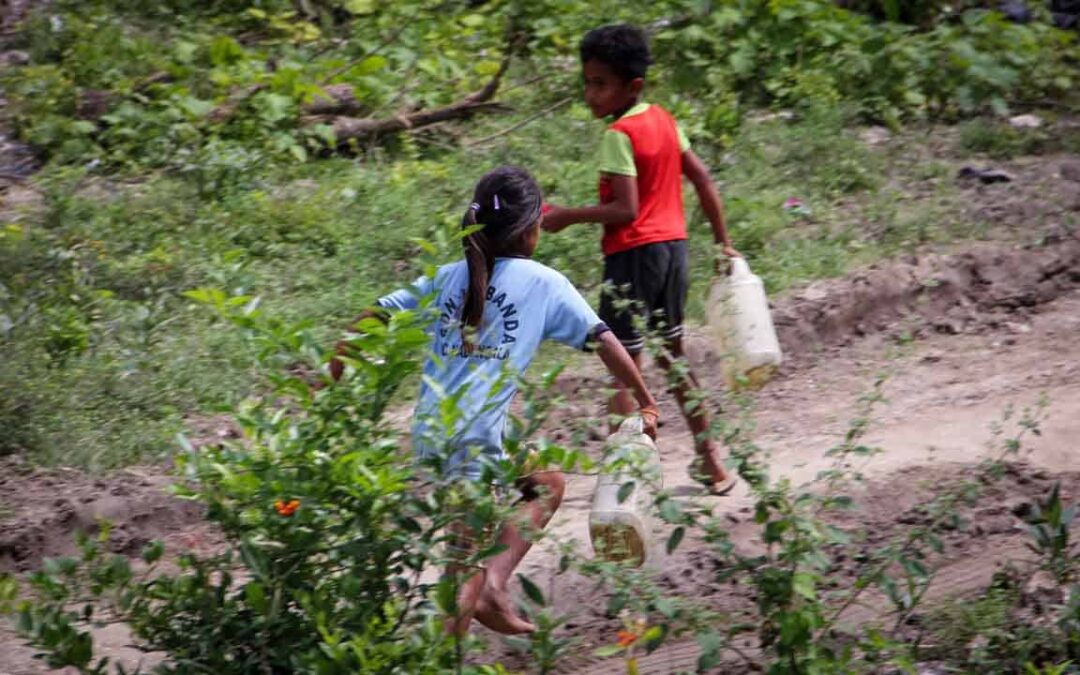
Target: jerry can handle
[[633, 425]]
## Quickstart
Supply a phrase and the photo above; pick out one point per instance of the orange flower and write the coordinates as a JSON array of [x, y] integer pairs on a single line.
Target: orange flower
[[286, 508], [626, 638]]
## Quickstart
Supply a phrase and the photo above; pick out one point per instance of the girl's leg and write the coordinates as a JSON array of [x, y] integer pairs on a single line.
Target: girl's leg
[[542, 494], [698, 419], [471, 580]]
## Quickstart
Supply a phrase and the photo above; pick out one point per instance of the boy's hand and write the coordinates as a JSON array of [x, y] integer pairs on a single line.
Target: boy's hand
[[722, 262], [554, 219]]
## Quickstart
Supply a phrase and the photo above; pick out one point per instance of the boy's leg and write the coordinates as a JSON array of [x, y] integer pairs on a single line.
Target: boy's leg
[[684, 387], [623, 302], [682, 383], [542, 494]]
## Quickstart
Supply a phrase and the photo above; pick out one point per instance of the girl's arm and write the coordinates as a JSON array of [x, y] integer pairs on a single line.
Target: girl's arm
[[698, 174], [622, 367], [623, 208], [337, 368]]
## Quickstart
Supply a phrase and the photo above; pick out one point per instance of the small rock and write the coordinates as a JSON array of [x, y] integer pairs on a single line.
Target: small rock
[[985, 176], [979, 643], [1026, 122], [785, 115], [14, 57], [1021, 508], [948, 327], [875, 135], [1070, 171], [1017, 328], [932, 357], [1042, 585]]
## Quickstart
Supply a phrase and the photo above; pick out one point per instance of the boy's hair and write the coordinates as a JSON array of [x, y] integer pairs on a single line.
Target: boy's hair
[[624, 48], [507, 202]]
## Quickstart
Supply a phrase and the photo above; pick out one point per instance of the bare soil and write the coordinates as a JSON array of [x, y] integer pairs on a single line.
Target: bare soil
[[964, 335]]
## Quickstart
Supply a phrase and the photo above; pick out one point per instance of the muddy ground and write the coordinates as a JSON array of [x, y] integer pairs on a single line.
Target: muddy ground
[[964, 335]]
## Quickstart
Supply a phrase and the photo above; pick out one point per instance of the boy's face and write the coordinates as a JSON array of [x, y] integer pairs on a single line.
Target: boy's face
[[606, 93]]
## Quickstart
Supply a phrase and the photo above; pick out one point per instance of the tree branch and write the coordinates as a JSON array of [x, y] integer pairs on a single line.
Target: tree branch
[[352, 128], [514, 127]]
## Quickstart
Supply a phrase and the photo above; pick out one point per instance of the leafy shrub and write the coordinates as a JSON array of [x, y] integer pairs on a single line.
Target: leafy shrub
[[808, 52], [329, 527]]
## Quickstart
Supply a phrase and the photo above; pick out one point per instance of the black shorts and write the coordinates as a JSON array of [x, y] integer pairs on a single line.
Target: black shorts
[[646, 285]]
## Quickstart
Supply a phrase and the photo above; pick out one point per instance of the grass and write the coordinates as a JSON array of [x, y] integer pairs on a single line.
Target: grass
[[106, 357], [997, 139]]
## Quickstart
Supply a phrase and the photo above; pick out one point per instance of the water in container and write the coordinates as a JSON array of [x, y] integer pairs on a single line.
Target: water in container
[[740, 321], [625, 529]]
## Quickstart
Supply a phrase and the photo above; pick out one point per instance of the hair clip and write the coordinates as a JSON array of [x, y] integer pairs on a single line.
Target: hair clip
[[496, 202]]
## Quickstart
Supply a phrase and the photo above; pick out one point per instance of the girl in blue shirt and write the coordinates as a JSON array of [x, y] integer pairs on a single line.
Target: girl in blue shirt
[[492, 311]]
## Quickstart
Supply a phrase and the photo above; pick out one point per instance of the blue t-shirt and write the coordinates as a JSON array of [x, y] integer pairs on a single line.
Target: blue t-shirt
[[526, 304]]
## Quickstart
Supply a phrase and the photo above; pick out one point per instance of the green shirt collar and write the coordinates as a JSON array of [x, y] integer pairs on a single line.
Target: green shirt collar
[[638, 108]]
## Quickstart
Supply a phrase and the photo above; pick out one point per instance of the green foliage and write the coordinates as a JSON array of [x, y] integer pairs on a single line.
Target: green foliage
[[236, 75], [1049, 525], [329, 530], [999, 140], [804, 53]]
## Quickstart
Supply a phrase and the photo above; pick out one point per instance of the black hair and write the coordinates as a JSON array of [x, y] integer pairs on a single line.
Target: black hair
[[624, 48], [507, 203]]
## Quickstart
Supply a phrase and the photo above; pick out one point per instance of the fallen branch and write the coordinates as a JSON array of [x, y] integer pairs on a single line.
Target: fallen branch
[[514, 127], [352, 128]]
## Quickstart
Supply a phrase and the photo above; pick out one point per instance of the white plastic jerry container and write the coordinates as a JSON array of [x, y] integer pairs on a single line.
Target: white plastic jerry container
[[625, 530], [738, 315]]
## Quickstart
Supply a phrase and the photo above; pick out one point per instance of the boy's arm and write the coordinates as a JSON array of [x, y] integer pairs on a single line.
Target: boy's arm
[[623, 208], [622, 367], [698, 174]]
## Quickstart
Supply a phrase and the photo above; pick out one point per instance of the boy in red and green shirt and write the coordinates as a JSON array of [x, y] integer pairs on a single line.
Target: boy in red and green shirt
[[642, 159]]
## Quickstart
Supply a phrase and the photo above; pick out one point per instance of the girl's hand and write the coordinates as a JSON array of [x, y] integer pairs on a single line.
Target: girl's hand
[[650, 416], [337, 368]]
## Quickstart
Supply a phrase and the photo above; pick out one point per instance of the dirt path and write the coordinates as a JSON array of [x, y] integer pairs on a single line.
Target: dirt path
[[961, 352], [965, 337]]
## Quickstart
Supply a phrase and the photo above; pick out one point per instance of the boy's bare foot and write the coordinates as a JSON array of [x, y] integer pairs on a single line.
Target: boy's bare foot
[[494, 610], [709, 469]]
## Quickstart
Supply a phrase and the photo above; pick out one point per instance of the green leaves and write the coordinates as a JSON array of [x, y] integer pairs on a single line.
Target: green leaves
[[532, 591], [360, 7], [675, 539]]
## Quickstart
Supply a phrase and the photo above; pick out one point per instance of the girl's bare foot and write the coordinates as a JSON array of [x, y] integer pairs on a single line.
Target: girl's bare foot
[[468, 597], [494, 610]]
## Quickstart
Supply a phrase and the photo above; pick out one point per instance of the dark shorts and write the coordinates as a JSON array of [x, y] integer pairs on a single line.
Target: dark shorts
[[646, 286]]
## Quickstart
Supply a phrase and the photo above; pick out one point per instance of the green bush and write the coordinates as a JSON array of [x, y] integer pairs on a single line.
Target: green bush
[[329, 527]]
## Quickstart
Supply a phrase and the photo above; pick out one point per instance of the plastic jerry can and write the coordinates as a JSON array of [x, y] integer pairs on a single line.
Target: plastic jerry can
[[739, 318], [625, 530]]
